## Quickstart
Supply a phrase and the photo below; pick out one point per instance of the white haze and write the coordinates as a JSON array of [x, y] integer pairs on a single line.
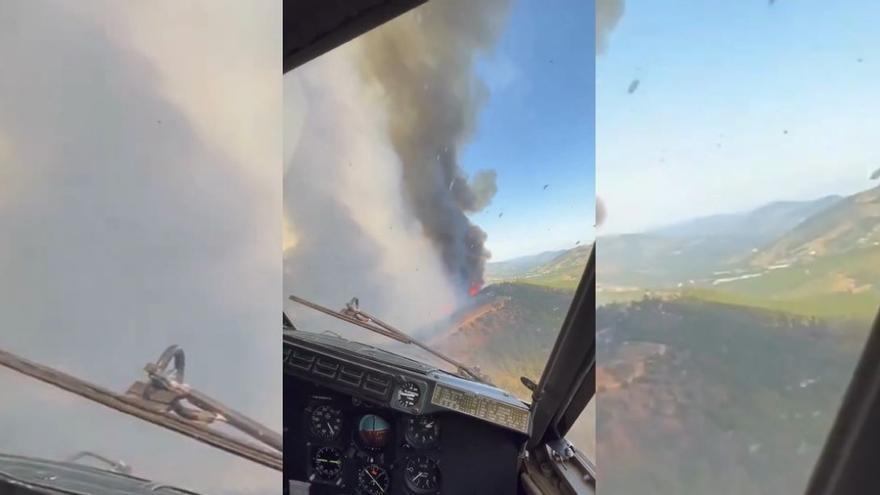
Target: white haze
[[139, 208]]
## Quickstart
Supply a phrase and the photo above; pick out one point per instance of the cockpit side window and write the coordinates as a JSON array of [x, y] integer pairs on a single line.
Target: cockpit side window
[[738, 262]]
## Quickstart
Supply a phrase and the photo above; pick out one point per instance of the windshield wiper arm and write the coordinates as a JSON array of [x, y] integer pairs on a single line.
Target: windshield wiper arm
[[352, 314], [208, 410], [151, 402]]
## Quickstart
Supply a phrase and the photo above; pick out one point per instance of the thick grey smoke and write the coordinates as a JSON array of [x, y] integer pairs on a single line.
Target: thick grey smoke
[[348, 231], [359, 188], [130, 221], [608, 14], [600, 212], [423, 66], [483, 189]]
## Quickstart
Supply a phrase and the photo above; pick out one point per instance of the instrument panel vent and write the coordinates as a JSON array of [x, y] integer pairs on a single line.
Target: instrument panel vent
[[377, 384], [373, 382], [326, 367], [351, 376], [301, 359]]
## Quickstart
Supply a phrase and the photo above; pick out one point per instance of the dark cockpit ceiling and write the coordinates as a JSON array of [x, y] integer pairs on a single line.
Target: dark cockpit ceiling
[[314, 27], [30, 476]]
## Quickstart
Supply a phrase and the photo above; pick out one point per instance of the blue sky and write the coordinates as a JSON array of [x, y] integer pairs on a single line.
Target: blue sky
[[537, 129], [739, 104]]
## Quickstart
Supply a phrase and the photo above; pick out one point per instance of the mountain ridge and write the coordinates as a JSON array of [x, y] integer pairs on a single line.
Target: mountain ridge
[[719, 247], [562, 270], [521, 264], [763, 219], [852, 222]]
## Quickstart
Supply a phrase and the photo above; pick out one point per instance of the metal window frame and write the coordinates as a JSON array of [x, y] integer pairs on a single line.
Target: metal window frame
[[314, 27], [848, 462]]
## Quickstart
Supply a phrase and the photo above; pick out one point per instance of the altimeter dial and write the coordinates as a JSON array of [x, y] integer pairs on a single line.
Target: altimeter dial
[[325, 422], [422, 431], [373, 480], [327, 463], [422, 475]]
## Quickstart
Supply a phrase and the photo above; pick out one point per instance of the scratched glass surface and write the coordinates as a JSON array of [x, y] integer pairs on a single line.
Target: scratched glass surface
[[738, 260], [139, 208]]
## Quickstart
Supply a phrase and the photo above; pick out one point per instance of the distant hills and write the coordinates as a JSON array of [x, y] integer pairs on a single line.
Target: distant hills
[[726, 343], [560, 269], [766, 222], [692, 248], [518, 267], [818, 257], [786, 255], [789, 287], [848, 224]]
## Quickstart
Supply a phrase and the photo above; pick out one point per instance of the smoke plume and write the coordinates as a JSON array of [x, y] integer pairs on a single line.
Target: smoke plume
[[608, 14], [374, 200], [423, 68], [349, 232], [601, 213]]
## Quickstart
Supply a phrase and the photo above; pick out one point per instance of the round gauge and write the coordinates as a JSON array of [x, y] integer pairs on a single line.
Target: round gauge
[[374, 432], [422, 474], [373, 480], [422, 431], [326, 422], [408, 395], [327, 463]]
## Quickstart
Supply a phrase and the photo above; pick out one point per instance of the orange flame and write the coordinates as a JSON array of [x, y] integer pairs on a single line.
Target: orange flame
[[474, 289]]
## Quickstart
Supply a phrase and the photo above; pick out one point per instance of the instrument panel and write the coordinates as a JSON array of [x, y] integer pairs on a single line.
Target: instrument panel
[[405, 385], [361, 421], [352, 447]]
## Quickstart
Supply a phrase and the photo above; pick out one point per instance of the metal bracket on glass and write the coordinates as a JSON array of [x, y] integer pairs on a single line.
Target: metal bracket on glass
[[115, 466], [165, 392]]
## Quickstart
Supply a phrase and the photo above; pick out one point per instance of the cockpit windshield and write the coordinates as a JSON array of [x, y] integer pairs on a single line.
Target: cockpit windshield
[[436, 169]]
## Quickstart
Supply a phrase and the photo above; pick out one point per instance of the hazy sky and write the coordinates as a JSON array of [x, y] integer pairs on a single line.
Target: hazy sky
[[739, 104], [140, 206], [537, 129]]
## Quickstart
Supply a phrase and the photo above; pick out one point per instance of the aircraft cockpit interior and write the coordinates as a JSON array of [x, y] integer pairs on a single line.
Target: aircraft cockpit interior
[[377, 423], [363, 420]]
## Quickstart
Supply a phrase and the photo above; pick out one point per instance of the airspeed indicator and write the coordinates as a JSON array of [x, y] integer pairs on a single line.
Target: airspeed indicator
[[408, 395]]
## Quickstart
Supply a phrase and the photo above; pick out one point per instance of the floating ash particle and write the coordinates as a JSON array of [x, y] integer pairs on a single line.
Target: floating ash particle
[[633, 86]]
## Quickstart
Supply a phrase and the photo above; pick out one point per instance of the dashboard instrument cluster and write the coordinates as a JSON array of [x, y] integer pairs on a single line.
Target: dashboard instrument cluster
[[367, 423], [368, 451]]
